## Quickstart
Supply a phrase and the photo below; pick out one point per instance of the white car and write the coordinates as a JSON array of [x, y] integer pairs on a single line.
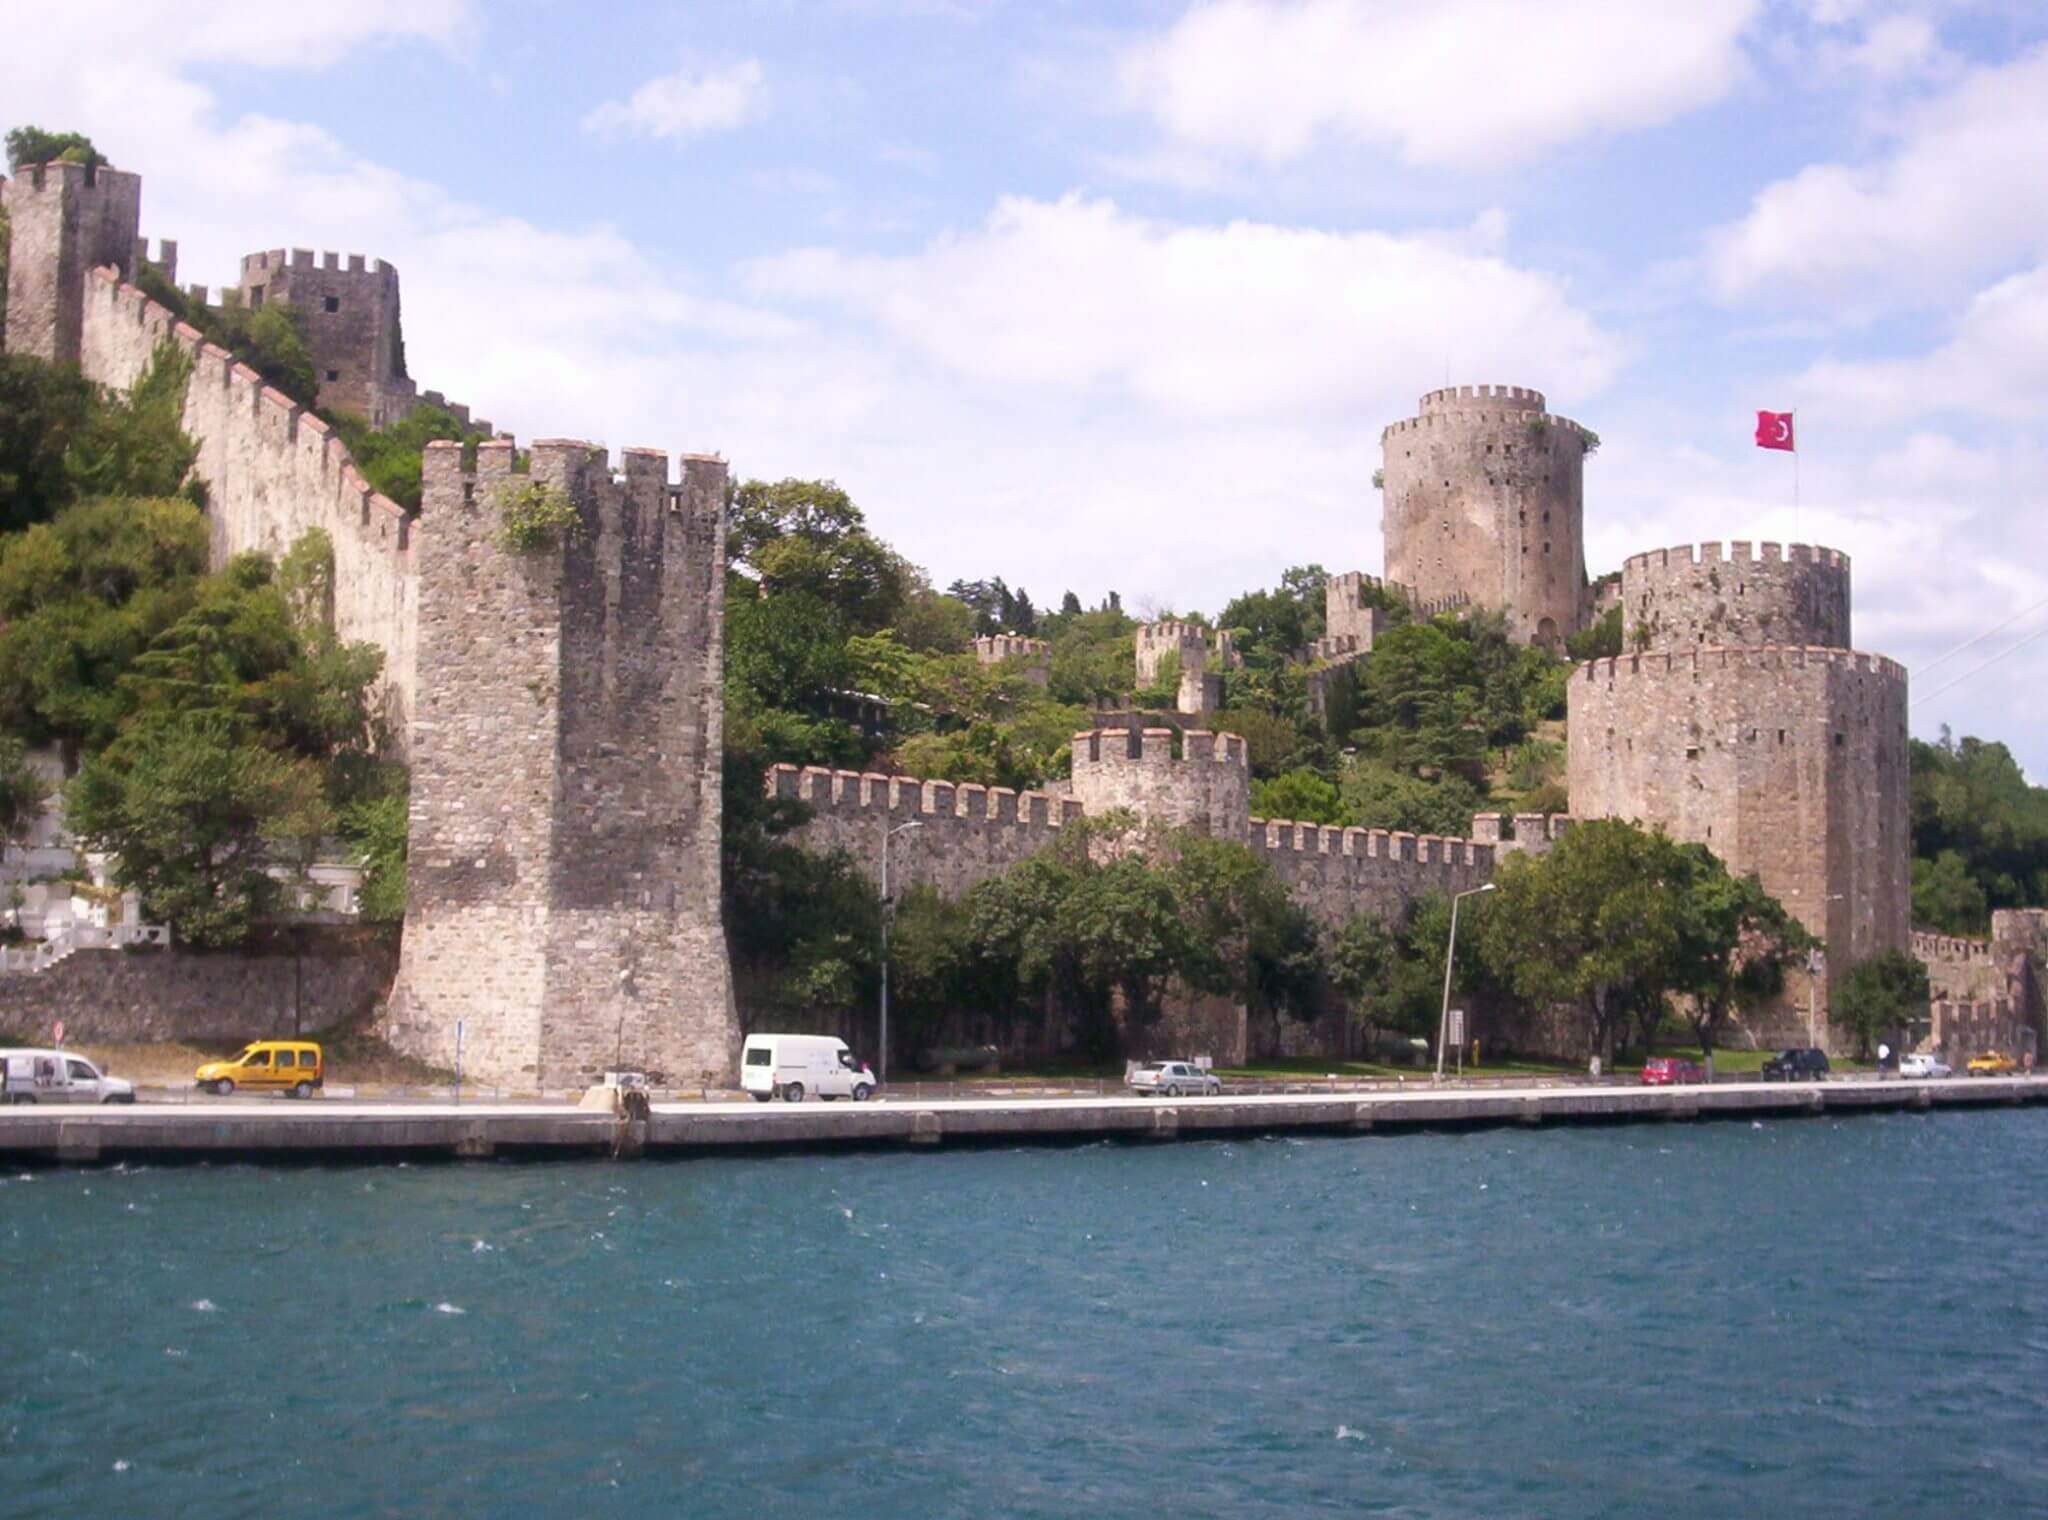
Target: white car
[[1924, 1065], [1172, 1079], [58, 1076]]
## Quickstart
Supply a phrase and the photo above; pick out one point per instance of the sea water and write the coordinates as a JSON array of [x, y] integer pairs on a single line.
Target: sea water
[[1799, 1317]]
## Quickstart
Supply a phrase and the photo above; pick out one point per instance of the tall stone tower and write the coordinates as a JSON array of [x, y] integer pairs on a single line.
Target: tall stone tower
[[351, 321], [1788, 760], [67, 219], [564, 864], [1483, 497]]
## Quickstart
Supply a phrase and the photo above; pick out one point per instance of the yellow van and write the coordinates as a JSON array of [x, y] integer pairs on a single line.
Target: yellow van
[[289, 1066]]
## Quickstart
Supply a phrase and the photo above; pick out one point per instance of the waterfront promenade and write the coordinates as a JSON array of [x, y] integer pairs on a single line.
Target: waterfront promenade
[[223, 1129]]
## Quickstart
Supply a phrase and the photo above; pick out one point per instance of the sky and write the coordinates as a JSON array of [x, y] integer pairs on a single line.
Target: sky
[[1119, 295]]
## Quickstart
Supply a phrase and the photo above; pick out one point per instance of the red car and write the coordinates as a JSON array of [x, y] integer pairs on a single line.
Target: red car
[[1668, 1071]]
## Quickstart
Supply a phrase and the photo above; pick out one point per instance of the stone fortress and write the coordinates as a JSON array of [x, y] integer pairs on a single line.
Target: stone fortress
[[561, 708]]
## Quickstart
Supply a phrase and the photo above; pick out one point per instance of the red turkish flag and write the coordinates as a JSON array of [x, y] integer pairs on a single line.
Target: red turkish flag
[[1774, 430]]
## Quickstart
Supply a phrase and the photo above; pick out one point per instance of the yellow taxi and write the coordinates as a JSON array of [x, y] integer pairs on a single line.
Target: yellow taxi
[[287, 1066], [1992, 1064]]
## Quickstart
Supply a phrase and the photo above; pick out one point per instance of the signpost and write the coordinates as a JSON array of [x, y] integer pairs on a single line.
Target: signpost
[[1455, 1035], [57, 1034], [458, 1060]]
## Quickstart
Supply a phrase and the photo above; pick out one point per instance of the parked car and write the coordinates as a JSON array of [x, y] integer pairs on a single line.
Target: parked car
[[1808, 1065], [288, 1066], [792, 1067], [1992, 1063], [58, 1076], [1172, 1079], [1923, 1064], [1668, 1071]]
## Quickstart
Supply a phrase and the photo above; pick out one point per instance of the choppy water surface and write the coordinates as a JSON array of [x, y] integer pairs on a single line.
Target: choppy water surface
[[1801, 1318]]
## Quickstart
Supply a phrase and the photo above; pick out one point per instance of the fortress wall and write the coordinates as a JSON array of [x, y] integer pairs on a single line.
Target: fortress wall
[[1786, 762], [1189, 642], [1483, 500], [1206, 785], [967, 833], [1337, 874], [565, 805], [1682, 598], [65, 220], [349, 311], [1958, 969], [273, 471]]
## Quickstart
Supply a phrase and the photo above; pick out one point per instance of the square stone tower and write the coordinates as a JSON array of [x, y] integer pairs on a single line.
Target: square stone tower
[[349, 313], [564, 866], [67, 219]]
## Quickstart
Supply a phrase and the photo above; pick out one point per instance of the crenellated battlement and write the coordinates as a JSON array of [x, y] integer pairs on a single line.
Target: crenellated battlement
[[1950, 949], [273, 260], [1273, 836], [1526, 833], [1157, 746], [994, 648], [1700, 663], [1740, 552], [1469, 419], [1466, 398], [907, 798]]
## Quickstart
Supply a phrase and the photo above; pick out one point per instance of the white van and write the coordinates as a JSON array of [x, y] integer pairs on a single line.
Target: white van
[[793, 1067], [58, 1076]]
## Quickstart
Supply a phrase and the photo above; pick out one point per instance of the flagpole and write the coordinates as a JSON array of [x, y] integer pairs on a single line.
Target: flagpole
[[1794, 415]]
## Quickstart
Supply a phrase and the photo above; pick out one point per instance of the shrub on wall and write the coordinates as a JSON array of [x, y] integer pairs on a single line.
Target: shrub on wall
[[535, 515]]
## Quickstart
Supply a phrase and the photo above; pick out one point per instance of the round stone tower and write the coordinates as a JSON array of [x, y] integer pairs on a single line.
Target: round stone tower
[[1678, 599], [1483, 499], [1197, 778]]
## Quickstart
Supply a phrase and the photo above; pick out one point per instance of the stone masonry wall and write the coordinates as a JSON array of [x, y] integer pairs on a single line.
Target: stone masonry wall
[[1677, 599], [1482, 498], [565, 810], [1337, 874], [1789, 763], [66, 219], [273, 471], [350, 315], [1206, 785], [119, 996]]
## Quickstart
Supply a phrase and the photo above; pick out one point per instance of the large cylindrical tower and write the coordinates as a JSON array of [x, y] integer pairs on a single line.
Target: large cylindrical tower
[[1483, 496], [1678, 599]]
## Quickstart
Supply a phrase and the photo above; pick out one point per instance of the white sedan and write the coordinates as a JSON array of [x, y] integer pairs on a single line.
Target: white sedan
[[1924, 1065], [1172, 1079]]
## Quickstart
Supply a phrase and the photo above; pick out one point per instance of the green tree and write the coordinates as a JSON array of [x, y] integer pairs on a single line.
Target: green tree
[[376, 831], [192, 812], [27, 145], [1947, 897], [43, 407], [391, 457], [1600, 641], [1597, 923], [1300, 794], [1379, 796], [134, 444], [1736, 942], [23, 791], [1878, 997]]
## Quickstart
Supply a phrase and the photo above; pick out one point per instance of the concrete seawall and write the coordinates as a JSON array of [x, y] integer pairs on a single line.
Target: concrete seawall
[[369, 1132]]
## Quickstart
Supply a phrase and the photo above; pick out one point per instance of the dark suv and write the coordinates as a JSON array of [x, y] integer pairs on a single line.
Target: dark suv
[[1796, 1066]]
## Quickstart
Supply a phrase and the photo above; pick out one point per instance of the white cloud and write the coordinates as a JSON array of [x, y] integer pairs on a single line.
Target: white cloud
[[687, 103], [1462, 83], [1994, 365], [1963, 192], [1243, 320]]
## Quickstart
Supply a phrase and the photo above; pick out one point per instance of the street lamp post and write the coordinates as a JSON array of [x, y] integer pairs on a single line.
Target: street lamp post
[[1443, 1022], [882, 1055]]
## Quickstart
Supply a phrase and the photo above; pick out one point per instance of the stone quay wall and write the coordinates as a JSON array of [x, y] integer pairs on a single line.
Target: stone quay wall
[[564, 865], [1682, 598], [274, 471], [1483, 499], [330, 976], [1787, 762]]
